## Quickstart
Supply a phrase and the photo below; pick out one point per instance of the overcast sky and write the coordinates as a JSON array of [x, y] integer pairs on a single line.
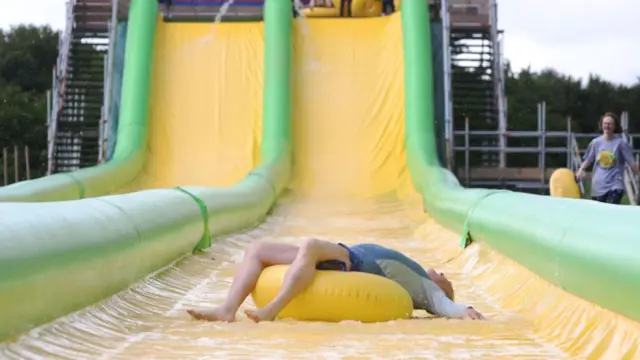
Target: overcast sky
[[576, 37]]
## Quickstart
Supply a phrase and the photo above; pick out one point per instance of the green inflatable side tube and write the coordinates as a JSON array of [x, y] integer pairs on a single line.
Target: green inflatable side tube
[[57, 257]]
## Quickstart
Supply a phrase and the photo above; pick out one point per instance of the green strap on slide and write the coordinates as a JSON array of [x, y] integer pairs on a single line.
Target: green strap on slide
[[466, 233], [79, 184], [205, 241]]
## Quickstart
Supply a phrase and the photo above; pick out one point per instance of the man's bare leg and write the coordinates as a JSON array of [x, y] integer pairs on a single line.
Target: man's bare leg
[[256, 258], [300, 275]]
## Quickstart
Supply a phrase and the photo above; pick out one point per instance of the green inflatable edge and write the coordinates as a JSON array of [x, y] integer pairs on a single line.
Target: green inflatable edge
[[60, 256], [583, 247]]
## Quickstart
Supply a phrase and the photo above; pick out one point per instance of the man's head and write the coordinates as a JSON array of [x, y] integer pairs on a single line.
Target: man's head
[[443, 283]]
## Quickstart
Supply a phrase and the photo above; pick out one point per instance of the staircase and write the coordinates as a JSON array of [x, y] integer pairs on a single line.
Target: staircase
[[472, 85], [476, 83], [78, 96], [473, 80]]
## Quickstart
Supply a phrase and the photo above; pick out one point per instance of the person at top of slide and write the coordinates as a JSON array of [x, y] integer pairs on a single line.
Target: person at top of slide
[[429, 289], [610, 153]]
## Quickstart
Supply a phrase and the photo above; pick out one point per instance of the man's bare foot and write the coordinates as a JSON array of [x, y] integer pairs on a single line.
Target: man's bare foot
[[258, 315], [212, 314]]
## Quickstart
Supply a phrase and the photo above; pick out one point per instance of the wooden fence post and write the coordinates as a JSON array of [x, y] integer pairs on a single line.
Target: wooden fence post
[[5, 166], [27, 164], [16, 163]]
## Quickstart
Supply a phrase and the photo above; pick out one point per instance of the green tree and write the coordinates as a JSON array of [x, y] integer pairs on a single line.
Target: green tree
[[27, 57]]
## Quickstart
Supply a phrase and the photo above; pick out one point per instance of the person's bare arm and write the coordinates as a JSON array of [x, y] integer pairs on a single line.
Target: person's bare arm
[[437, 303]]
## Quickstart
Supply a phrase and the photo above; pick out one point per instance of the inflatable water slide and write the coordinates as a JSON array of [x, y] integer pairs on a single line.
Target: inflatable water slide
[[235, 133]]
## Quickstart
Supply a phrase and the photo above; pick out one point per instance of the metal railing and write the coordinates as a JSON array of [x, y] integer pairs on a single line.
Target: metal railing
[[210, 11], [631, 178], [498, 77], [448, 95], [574, 160], [57, 93], [108, 75]]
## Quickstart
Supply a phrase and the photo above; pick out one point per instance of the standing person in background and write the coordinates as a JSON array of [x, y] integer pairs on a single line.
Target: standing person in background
[[609, 153], [388, 7], [345, 8]]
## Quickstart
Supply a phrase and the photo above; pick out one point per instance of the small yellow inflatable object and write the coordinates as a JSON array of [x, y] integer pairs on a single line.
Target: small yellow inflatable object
[[337, 296], [563, 184], [359, 8]]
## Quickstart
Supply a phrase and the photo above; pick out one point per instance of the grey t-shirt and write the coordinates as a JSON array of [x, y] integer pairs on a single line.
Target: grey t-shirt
[[382, 261], [426, 295], [609, 158]]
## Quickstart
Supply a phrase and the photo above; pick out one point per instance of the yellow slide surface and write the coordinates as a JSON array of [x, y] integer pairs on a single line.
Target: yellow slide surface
[[206, 105], [350, 184]]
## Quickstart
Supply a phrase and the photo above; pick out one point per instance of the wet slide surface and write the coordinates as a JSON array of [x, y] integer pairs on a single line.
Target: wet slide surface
[[147, 322], [350, 184]]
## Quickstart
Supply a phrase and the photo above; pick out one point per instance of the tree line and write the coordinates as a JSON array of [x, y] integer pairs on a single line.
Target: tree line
[[27, 57], [28, 54]]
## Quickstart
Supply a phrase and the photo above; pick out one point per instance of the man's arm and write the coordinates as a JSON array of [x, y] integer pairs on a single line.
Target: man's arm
[[437, 303]]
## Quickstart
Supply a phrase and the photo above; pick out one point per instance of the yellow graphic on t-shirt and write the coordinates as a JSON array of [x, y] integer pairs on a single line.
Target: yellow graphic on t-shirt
[[606, 159]]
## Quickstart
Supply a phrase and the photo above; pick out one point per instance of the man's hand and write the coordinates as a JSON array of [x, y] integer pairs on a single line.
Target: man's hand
[[580, 174], [471, 314]]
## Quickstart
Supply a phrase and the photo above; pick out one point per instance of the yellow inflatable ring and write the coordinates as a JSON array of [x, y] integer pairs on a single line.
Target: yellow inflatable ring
[[563, 184], [337, 296]]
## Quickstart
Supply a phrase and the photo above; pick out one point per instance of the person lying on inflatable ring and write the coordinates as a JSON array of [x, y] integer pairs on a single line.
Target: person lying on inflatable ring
[[430, 290]]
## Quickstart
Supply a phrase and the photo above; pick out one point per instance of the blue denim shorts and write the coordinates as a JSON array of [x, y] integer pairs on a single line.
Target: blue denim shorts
[[612, 197], [365, 258], [339, 265]]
